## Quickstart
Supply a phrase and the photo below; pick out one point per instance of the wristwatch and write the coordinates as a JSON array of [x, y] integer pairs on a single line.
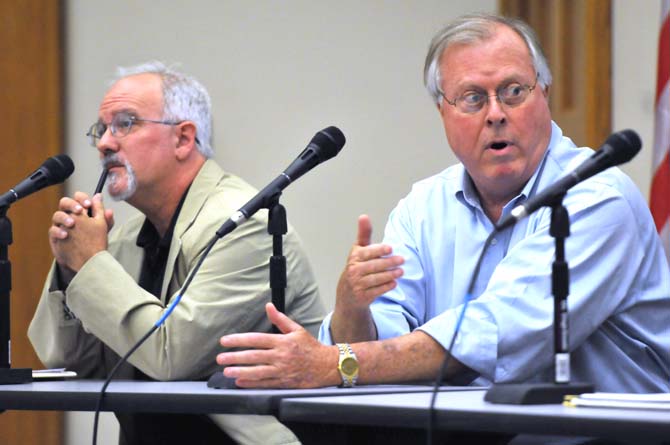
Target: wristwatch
[[347, 365]]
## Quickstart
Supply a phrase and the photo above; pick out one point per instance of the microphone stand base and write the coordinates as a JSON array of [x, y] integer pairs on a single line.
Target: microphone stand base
[[12, 376], [534, 393]]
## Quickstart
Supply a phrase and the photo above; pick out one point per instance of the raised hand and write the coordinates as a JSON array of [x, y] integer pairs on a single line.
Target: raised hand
[[371, 271]]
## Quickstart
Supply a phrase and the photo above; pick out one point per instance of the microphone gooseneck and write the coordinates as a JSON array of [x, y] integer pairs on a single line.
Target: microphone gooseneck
[[620, 147]]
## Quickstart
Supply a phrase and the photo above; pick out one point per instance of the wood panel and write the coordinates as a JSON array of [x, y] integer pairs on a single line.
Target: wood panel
[[576, 37], [32, 124]]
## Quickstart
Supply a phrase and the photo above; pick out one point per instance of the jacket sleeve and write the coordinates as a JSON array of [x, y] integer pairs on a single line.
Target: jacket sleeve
[[58, 337]]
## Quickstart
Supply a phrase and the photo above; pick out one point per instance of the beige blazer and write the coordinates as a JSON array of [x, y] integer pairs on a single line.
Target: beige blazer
[[104, 311]]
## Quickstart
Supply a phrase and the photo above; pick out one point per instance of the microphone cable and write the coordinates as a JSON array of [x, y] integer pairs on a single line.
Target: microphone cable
[[438, 380], [156, 325]]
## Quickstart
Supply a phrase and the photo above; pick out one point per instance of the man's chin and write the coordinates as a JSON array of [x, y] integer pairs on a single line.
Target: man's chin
[[120, 195]]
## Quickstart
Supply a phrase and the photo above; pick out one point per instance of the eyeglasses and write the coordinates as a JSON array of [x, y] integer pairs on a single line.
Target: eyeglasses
[[511, 94], [120, 126]]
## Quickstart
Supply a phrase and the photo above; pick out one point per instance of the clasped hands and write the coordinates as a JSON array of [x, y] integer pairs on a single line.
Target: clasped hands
[[74, 236], [294, 358]]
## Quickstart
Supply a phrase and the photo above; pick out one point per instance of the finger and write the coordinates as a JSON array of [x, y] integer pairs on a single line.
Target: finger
[[69, 205], [378, 279], [251, 372], [57, 233], [109, 218], [62, 219], [246, 357], [376, 265], [364, 230], [372, 293], [97, 208], [248, 340], [373, 252], [283, 323], [83, 198]]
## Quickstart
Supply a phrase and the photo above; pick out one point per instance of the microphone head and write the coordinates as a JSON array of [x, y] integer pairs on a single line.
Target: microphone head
[[622, 146], [57, 169], [330, 141], [324, 145]]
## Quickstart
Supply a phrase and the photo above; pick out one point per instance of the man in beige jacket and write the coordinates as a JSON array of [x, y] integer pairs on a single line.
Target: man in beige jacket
[[105, 292]]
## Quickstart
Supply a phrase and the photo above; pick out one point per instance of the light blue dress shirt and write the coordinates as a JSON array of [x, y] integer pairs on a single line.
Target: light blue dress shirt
[[619, 301]]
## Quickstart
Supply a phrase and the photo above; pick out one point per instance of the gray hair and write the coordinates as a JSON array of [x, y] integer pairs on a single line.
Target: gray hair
[[184, 98], [472, 28]]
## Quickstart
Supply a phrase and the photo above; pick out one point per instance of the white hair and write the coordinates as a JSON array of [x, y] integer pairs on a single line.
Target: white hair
[[184, 98], [473, 28]]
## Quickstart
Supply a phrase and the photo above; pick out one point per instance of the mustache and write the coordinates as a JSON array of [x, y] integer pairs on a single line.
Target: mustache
[[112, 160]]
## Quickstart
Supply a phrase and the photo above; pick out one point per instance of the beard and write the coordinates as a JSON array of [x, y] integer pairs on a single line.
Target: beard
[[131, 181]]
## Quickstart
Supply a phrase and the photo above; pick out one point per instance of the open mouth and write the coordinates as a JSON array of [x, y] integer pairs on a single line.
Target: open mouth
[[498, 145]]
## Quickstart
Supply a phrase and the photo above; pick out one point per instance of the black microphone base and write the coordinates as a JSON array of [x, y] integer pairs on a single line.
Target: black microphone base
[[534, 393], [12, 376], [220, 381]]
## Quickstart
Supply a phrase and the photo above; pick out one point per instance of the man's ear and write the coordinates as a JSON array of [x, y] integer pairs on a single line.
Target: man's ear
[[186, 144]]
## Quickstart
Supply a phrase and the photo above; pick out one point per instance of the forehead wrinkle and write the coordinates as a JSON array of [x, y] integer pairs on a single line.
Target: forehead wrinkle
[[507, 80], [483, 61], [139, 93], [114, 105], [130, 111]]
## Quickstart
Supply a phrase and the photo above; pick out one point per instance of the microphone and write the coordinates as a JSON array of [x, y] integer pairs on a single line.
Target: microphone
[[619, 147], [54, 170], [325, 144]]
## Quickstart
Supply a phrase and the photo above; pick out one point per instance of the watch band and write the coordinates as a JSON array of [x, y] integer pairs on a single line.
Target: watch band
[[347, 365]]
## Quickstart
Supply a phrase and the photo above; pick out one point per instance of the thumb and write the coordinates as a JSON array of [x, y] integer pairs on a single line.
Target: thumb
[[364, 230], [97, 208], [283, 323], [109, 217]]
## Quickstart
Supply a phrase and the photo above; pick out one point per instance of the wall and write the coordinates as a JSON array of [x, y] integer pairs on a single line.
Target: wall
[[635, 27], [280, 71]]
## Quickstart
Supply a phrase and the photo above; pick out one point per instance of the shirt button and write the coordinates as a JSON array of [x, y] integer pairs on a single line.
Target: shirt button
[[494, 242]]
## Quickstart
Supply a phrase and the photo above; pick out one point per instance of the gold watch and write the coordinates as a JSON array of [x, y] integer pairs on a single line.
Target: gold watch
[[347, 365]]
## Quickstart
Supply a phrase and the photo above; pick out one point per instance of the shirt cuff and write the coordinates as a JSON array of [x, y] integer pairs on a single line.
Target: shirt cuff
[[324, 330], [389, 324]]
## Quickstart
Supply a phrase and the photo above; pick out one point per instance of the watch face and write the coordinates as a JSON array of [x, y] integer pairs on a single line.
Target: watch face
[[349, 366]]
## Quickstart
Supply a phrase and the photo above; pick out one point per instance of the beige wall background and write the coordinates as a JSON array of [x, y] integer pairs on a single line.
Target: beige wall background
[[280, 71]]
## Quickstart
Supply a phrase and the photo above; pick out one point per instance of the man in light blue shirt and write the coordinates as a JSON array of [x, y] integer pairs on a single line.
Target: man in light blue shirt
[[490, 83], [618, 279]]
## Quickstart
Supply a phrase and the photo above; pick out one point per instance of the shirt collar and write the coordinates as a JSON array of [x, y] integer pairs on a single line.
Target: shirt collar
[[148, 235]]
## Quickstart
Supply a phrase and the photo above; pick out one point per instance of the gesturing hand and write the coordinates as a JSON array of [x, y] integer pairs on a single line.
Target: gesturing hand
[[369, 273], [292, 359]]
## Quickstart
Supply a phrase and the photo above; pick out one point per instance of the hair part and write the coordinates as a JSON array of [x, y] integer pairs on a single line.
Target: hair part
[[184, 98], [475, 28]]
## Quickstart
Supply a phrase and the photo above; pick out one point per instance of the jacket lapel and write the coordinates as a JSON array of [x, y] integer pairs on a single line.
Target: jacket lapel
[[203, 185]]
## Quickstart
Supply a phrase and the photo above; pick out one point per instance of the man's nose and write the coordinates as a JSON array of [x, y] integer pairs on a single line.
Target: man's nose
[[495, 114], [107, 142]]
